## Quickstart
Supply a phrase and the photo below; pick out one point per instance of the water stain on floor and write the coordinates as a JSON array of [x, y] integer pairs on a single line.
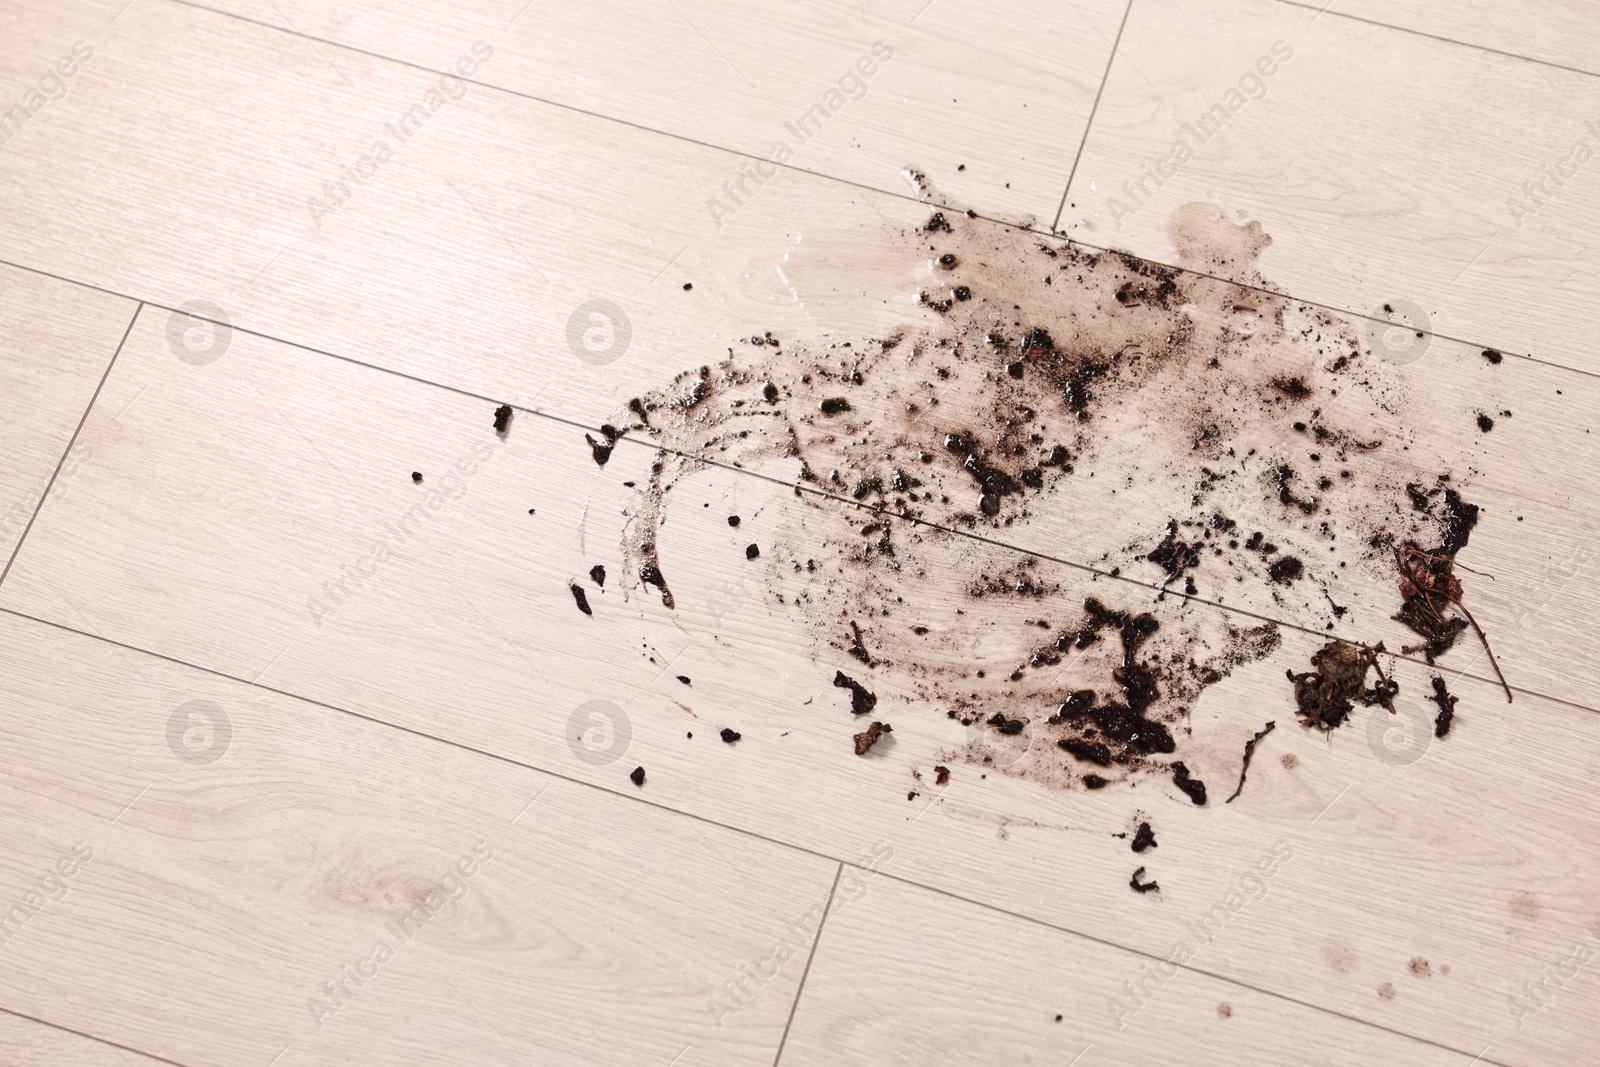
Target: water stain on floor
[[1206, 438]]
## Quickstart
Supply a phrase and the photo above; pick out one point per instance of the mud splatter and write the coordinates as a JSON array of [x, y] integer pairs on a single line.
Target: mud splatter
[[1189, 430]]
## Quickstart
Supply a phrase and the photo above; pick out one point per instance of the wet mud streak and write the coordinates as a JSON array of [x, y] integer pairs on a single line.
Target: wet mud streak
[[1199, 436]]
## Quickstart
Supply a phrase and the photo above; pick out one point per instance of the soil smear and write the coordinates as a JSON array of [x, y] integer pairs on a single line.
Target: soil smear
[[1205, 438]]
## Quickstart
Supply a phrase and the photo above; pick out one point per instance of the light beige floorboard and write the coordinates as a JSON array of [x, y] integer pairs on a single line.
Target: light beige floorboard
[[964, 95], [1381, 162], [906, 976], [243, 848], [462, 259], [26, 1043], [289, 466], [1550, 31], [462, 326], [56, 341]]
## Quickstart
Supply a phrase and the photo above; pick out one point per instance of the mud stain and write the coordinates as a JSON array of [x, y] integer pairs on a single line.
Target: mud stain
[[1197, 435]]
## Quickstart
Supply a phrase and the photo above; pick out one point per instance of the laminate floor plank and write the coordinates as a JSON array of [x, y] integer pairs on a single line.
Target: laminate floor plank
[[276, 535], [992, 99], [27, 1043], [850, 275], [905, 976], [56, 341], [1561, 32], [219, 874], [1390, 169]]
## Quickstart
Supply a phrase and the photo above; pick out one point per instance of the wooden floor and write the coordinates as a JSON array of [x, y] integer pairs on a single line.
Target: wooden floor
[[271, 802]]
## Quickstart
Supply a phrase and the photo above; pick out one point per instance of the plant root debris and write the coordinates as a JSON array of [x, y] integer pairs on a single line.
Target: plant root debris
[[1430, 587], [1326, 695], [869, 737], [1250, 750], [1217, 443], [1143, 887]]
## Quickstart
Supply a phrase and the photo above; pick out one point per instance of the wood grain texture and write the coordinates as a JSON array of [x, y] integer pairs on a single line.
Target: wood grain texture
[[451, 310], [1405, 198], [906, 976], [243, 850], [26, 1043], [1552, 31], [496, 224], [968, 86], [264, 474], [56, 341]]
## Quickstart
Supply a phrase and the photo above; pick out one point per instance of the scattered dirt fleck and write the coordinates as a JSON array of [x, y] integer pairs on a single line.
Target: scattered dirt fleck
[[1421, 968], [730, 736], [684, 678], [1224, 1010], [941, 775], [861, 700], [1190, 785], [597, 575], [1142, 886], [1289, 760], [1144, 838], [637, 776], [1447, 708], [581, 598], [502, 419]]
